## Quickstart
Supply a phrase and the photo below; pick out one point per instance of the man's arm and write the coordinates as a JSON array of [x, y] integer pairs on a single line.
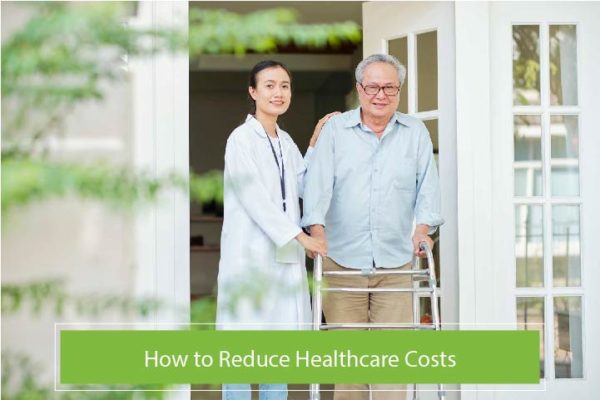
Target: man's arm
[[428, 203], [318, 184], [319, 179]]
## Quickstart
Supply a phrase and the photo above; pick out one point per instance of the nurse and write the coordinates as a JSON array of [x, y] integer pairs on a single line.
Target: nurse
[[262, 283]]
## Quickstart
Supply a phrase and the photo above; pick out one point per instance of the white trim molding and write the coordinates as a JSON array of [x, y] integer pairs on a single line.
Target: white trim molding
[[474, 172], [161, 147]]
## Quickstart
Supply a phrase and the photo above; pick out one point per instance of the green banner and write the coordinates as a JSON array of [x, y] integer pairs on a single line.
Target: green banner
[[168, 357]]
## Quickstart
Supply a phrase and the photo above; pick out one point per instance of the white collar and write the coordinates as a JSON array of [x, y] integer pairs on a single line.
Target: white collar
[[259, 129]]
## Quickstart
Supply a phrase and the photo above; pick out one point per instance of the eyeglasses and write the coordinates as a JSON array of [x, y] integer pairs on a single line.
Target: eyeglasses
[[374, 89]]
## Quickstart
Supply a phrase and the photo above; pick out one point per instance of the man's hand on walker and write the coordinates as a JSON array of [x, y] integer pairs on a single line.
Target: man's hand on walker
[[317, 232], [421, 236], [312, 245]]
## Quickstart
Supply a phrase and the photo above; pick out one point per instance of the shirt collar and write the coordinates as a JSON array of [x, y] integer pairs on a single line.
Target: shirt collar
[[258, 128], [353, 118]]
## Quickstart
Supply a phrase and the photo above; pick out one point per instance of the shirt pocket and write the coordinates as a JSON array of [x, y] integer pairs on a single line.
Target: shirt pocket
[[405, 175]]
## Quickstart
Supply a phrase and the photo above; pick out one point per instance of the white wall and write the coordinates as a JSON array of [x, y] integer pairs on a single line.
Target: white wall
[[97, 250], [84, 244]]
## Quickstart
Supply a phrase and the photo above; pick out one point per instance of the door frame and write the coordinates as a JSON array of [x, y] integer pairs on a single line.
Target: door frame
[[160, 95], [483, 158]]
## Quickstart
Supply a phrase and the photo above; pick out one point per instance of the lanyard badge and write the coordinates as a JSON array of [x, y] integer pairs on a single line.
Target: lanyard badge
[[290, 252], [280, 169]]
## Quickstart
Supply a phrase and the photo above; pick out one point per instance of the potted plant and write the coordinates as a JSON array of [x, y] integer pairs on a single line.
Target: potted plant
[[207, 188]]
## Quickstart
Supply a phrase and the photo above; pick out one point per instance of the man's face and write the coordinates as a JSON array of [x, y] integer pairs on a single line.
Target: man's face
[[378, 105]]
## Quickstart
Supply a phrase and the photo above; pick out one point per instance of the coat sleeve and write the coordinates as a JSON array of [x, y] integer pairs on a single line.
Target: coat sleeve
[[242, 175]]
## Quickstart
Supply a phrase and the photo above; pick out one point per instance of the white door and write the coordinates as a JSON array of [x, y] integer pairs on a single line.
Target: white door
[[545, 63], [421, 36]]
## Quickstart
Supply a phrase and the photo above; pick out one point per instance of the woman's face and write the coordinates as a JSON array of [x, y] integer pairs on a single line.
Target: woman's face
[[273, 92]]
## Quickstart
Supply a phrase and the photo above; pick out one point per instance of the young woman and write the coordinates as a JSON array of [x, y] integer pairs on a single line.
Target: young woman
[[262, 280]]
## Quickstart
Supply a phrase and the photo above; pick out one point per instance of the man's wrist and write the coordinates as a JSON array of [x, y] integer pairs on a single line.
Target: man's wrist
[[422, 229], [316, 230]]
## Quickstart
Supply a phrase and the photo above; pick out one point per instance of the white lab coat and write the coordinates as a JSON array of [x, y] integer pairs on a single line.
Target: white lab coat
[[255, 289]]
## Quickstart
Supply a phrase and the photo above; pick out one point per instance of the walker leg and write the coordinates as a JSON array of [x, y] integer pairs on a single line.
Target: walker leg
[[314, 391], [317, 310], [414, 392], [441, 392]]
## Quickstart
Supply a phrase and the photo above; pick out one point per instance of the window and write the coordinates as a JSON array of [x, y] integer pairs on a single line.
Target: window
[[419, 98], [546, 193]]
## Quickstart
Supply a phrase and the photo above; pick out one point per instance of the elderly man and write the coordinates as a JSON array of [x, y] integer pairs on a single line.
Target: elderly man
[[371, 177]]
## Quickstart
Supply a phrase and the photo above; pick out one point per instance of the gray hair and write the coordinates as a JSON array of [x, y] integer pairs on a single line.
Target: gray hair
[[380, 58]]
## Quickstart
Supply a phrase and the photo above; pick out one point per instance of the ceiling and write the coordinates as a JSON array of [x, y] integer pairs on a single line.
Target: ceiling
[[330, 73], [309, 12], [302, 81]]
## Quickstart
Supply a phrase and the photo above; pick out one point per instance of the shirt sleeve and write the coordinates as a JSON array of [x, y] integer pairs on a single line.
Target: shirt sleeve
[[242, 175], [319, 179], [308, 156], [428, 200]]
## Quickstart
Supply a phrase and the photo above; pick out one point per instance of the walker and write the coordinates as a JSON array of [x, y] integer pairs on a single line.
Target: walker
[[417, 275]]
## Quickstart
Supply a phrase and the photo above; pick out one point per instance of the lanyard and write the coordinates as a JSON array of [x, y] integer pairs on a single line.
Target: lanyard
[[280, 170]]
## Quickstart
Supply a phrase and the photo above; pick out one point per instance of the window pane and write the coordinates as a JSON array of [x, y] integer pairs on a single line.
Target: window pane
[[427, 83], [528, 155], [425, 313], [436, 259], [399, 49], [568, 361], [566, 254], [526, 64], [563, 65], [432, 127], [529, 245], [564, 139], [530, 317]]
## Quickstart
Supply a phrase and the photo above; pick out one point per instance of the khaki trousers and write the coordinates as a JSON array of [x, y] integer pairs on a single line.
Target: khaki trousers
[[361, 307]]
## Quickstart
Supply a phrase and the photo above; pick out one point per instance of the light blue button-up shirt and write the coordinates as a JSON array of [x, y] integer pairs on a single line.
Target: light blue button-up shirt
[[369, 192]]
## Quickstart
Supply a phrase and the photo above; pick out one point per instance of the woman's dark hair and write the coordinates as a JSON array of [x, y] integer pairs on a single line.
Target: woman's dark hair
[[254, 72]]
